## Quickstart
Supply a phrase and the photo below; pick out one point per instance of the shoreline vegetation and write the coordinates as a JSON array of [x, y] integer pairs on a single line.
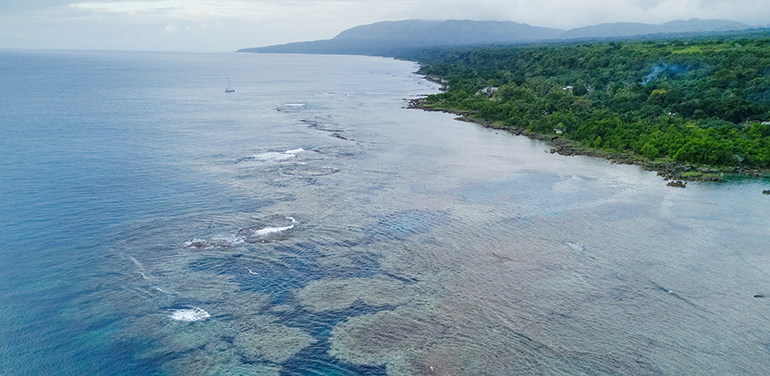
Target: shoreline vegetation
[[676, 174], [690, 110]]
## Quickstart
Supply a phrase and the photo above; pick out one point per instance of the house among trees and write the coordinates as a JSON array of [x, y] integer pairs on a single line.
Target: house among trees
[[489, 90]]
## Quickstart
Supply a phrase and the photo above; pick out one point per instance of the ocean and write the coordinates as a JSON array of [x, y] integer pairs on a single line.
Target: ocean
[[309, 224]]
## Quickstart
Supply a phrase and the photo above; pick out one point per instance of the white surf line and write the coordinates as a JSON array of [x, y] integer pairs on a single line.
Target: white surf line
[[191, 314], [263, 232]]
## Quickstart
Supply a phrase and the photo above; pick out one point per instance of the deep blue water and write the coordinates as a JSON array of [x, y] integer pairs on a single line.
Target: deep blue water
[[307, 224], [92, 142]]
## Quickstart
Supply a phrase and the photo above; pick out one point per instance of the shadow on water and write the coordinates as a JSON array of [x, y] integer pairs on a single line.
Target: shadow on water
[[315, 359]]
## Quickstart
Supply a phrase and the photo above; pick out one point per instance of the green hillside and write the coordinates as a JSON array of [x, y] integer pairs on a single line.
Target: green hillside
[[700, 102]]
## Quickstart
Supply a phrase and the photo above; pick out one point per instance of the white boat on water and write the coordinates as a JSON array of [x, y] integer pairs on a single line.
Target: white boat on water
[[228, 89]]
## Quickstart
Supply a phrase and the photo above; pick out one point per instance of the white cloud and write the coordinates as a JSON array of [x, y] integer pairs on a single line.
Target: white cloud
[[225, 25], [577, 13], [252, 10]]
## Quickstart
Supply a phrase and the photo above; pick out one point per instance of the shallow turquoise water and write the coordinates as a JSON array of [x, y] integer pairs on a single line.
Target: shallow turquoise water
[[308, 224]]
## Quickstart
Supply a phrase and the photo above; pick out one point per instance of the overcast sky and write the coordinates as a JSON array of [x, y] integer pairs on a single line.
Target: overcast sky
[[227, 25]]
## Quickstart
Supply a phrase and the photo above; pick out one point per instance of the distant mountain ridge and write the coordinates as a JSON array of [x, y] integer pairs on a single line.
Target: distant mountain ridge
[[385, 38], [388, 37], [448, 32], [624, 29]]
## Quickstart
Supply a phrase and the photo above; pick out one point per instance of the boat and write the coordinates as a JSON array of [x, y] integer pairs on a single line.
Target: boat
[[228, 89]]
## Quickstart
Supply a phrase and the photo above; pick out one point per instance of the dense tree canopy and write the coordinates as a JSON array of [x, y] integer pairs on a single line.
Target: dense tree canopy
[[693, 101]]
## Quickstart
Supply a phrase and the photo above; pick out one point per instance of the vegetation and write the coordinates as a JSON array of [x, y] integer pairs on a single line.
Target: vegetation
[[701, 102]]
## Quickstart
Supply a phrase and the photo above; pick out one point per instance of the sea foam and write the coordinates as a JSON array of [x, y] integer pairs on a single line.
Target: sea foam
[[223, 241], [292, 107], [576, 246], [273, 156], [267, 231], [246, 235], [191, 314]]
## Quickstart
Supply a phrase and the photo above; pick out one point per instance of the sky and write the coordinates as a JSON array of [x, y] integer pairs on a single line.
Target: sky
[[227, 25]]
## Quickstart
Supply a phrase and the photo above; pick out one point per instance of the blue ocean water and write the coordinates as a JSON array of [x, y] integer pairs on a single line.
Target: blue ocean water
[[308, 224], [92, 142]]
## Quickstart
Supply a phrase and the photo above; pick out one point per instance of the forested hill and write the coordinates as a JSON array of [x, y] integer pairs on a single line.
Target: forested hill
[[451, 32], [693, 101], [391, 38], [625, 29]]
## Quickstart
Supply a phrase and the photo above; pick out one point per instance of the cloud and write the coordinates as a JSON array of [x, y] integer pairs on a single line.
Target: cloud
[[230, 24], [648, 4], [21, 5], [255, 10], [577, 13], [165, 8]]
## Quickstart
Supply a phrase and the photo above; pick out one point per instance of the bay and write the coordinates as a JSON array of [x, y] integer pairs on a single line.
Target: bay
[[308, 224]]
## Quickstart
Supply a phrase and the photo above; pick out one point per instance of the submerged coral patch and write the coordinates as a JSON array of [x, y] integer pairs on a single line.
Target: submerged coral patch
[[276, 344], [409, 223], [339, 294], [305, 170], [384, 338]]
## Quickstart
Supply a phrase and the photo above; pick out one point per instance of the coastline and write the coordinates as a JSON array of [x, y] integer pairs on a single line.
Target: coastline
[[675, 173]]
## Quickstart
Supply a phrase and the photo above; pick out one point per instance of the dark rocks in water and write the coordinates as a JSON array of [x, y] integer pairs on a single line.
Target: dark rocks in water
[[416, 102], [748, 171], [339, 151], [759, 296], [677, 183], [303, 170], [216, 242], [320, 125], [197, 243], [766, 192]]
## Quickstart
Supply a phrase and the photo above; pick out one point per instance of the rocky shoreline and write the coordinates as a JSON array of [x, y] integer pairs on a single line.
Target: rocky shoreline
[[677, 174]]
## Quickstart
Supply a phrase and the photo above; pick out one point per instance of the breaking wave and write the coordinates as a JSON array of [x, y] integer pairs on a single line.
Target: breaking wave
[[191, 314], [267, 231], [292, 107], [272, 156], [245, 235], [576, 246], [224, 241]]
